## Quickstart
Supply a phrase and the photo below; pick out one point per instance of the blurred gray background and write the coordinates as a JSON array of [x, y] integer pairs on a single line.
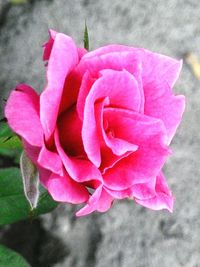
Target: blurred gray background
[[128, 235]]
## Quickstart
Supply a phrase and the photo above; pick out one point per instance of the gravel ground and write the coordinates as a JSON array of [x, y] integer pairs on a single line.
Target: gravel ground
[[128, 235]]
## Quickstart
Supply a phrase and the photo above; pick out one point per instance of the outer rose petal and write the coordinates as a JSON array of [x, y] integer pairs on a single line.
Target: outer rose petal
[[122, 90], [141, 191], [86, 84], [44, 175], [22, 112], [64, 189], [145, 190], [100, 201], [163, 198], [155, 67], [63, 59], [161, 103], [50, 160], [49, 44]]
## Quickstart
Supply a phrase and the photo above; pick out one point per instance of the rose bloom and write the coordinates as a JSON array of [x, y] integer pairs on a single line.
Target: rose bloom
[[101, 128]]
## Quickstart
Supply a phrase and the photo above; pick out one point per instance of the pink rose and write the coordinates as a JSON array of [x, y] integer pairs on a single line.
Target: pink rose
[[101, 128]]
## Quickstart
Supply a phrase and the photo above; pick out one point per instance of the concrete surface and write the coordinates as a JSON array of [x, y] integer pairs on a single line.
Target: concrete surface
[[128, 235]]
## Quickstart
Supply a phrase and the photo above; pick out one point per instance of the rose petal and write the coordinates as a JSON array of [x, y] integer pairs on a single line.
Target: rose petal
[[154, 66], [100, 201], [22, 113], [50, 160], [86, 84], [44, 176], [163, 198], [113, 61], [80, 170], [118, 146], [122, 90], [49, 44], [161, 103], [144, 190], [119, 194], [158, 71], [63, 59], [70, 91], [81, 52], [140, 191], [109, 49], [150, 137], [64, 189]]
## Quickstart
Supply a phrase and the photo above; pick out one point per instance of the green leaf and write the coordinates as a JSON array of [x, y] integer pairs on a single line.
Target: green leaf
[[5, 131], [8, 140], [10, 258], [11, 142], [86, 38], [13, 203]]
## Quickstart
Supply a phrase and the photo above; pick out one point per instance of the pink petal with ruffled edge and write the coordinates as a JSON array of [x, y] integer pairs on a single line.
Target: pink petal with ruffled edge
[[144, 190], [80, 170], [63, 59], [50, 160], [112, 149], [110, 144], [150, 137], [49, 44], [63, 188], [154, 66], [122, 90], [100, 201], [163, 198], [112, 61], [161, 103], [158, 73], [86, 84], [141, 191], [22, 113]]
